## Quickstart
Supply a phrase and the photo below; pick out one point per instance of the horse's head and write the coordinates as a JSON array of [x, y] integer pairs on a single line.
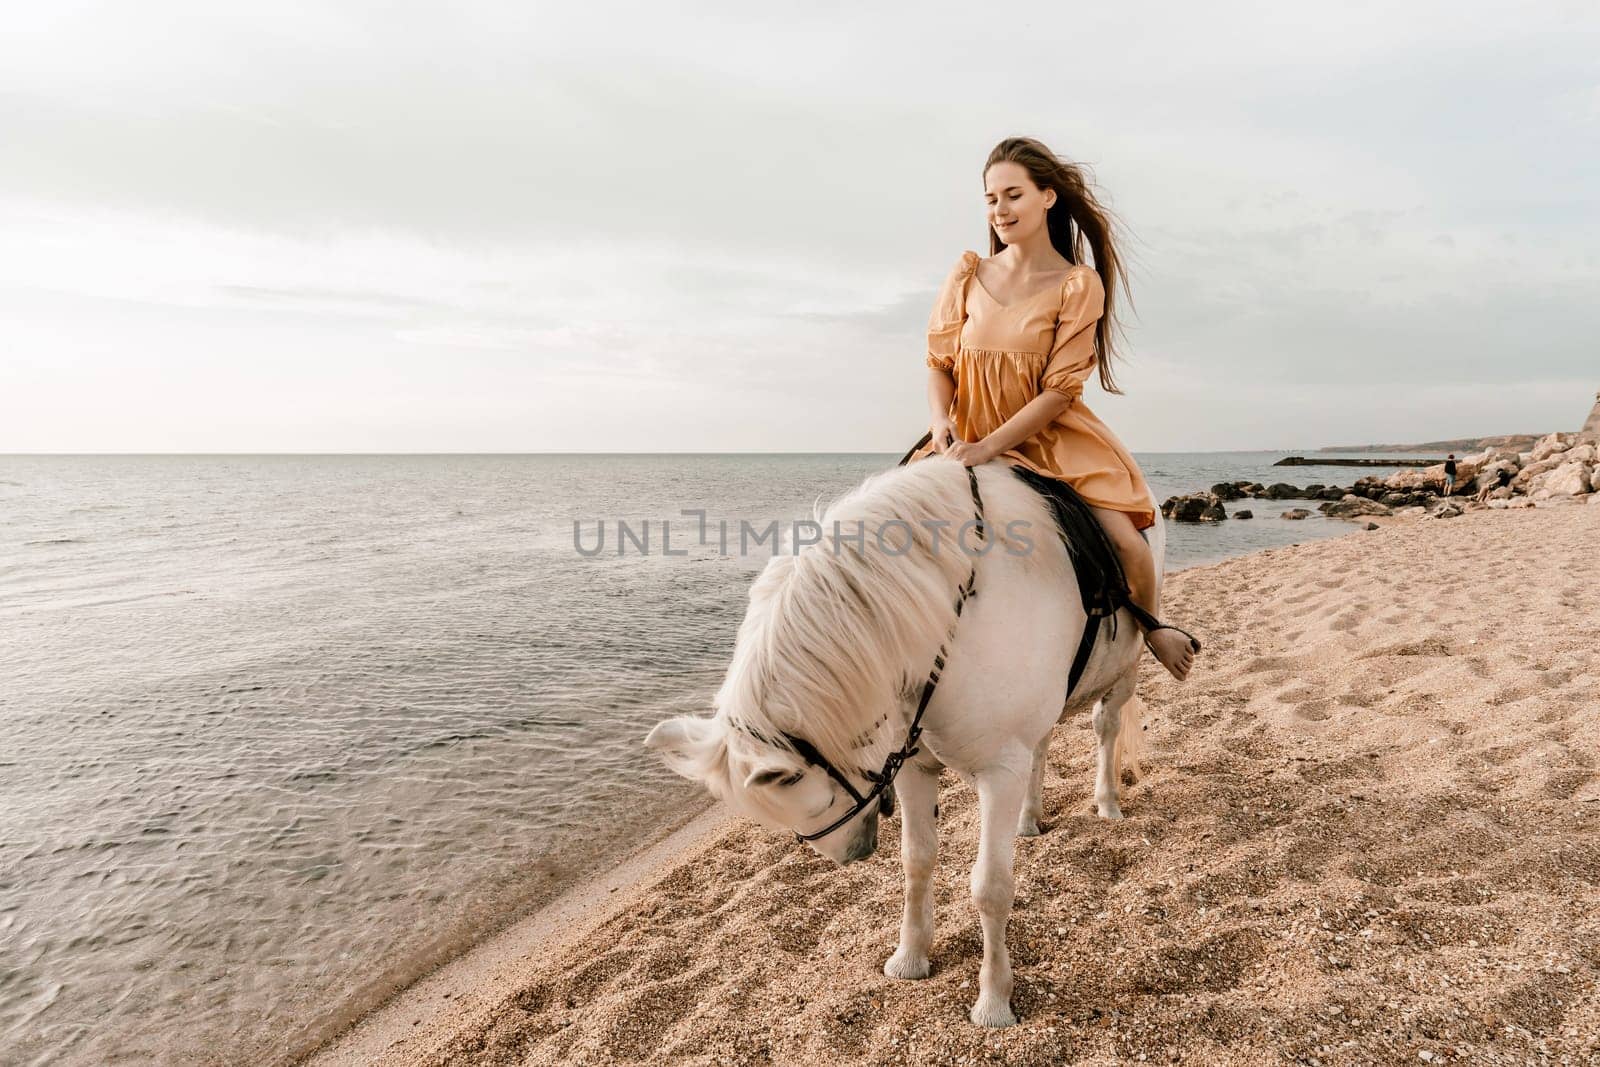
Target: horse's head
[[768, 783]]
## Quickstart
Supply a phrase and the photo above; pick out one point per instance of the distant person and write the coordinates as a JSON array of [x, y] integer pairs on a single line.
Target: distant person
[[1501, 480], [1450, 474]]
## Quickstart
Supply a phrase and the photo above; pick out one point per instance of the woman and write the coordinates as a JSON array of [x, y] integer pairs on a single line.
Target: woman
[[1013, 338]]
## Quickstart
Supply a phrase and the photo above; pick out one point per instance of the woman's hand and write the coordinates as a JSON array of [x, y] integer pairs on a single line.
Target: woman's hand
[[941, 431], [972, 453]]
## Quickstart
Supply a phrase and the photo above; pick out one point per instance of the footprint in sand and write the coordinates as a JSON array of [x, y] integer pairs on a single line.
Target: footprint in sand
[[1562, 784], [1314, 710]]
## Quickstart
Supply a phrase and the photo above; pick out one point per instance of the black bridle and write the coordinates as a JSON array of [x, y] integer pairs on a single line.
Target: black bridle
[[881, 780]]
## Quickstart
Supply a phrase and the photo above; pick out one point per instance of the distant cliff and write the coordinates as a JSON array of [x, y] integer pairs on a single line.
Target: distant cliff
[[1516, 442]]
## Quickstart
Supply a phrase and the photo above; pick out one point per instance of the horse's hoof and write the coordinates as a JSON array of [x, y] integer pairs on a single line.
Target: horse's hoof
[[992, 1011], [1110, 812], [906, 966], [1028, 828]]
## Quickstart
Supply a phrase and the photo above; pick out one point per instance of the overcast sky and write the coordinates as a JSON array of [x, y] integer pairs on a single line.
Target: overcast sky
[[339, 226]]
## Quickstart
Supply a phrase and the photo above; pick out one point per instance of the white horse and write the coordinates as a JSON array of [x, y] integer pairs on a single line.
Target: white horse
[[832, 657]]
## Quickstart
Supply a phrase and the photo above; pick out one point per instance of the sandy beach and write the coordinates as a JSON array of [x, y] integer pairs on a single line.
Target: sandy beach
[[1368, 832]]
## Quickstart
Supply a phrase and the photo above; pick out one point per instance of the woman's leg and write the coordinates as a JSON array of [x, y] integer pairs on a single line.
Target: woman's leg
[[1170, 646]]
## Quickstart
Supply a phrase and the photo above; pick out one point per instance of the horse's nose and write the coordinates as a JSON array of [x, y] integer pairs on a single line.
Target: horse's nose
[[865, 843]]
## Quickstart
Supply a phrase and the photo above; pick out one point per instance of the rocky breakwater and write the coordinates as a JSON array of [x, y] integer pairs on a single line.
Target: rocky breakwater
[[1337, 502], [1560, 468]]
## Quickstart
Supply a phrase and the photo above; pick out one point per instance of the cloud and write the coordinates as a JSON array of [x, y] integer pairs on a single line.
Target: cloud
[[742, 209]]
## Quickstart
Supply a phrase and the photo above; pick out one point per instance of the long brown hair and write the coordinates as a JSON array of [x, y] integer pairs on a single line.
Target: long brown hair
[[1076, 219]]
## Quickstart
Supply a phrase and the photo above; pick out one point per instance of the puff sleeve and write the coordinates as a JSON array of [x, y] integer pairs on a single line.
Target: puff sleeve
[[1072, 355], [949, 313]]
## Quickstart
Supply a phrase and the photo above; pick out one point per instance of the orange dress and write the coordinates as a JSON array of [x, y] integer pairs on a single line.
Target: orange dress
[[1004, 355]]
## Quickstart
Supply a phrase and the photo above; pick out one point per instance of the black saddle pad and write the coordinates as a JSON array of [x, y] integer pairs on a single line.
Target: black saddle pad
[[1101, 581]]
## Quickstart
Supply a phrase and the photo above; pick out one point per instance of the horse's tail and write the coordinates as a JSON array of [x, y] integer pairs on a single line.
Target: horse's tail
[[1130, 739]]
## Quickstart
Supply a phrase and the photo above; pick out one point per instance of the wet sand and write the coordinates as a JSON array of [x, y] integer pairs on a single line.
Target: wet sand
[[1368, 832]]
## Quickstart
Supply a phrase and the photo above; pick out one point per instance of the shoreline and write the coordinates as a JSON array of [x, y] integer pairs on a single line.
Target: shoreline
[[421, 1018], [504, 995]]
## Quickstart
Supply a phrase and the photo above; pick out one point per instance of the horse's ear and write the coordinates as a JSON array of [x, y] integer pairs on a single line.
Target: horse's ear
[[687, 744]]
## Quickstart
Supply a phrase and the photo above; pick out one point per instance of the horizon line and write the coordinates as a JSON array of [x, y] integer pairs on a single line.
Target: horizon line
[[664, 452]]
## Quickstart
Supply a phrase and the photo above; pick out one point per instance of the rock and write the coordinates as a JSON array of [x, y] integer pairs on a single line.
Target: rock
[[1370, 487], [1194, 507], [1584, 453], [1395, 500], [1521, 502], [1412, 478], [1373, 526], [1312, 490], [1295, 513], [1226, 491], [1411, 512], [1594, 498], [1533, 469], [1281, 491], [1551, 443], [1244, 513], [1500, 504], [1445, 511], [1569, 479], [1352, 506], [1332, 492]]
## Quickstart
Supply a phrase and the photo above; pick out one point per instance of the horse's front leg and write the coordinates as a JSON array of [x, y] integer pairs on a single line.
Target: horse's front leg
[[918, 792], [1000, 795]]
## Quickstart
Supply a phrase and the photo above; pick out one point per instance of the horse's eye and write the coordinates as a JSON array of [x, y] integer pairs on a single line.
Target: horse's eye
[[778, 778]]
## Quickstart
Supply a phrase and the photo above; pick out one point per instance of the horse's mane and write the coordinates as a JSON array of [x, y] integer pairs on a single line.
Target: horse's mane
[[835, 642]]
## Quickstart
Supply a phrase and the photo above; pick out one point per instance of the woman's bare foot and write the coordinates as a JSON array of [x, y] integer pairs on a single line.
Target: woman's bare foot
[[1173, 650]]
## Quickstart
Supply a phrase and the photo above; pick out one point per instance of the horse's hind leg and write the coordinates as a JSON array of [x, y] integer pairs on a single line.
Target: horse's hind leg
[[918, 792], [1108, 723], [1033, 803]]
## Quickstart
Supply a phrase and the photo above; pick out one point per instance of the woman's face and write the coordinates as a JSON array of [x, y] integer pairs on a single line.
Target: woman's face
[[1016, 206]]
